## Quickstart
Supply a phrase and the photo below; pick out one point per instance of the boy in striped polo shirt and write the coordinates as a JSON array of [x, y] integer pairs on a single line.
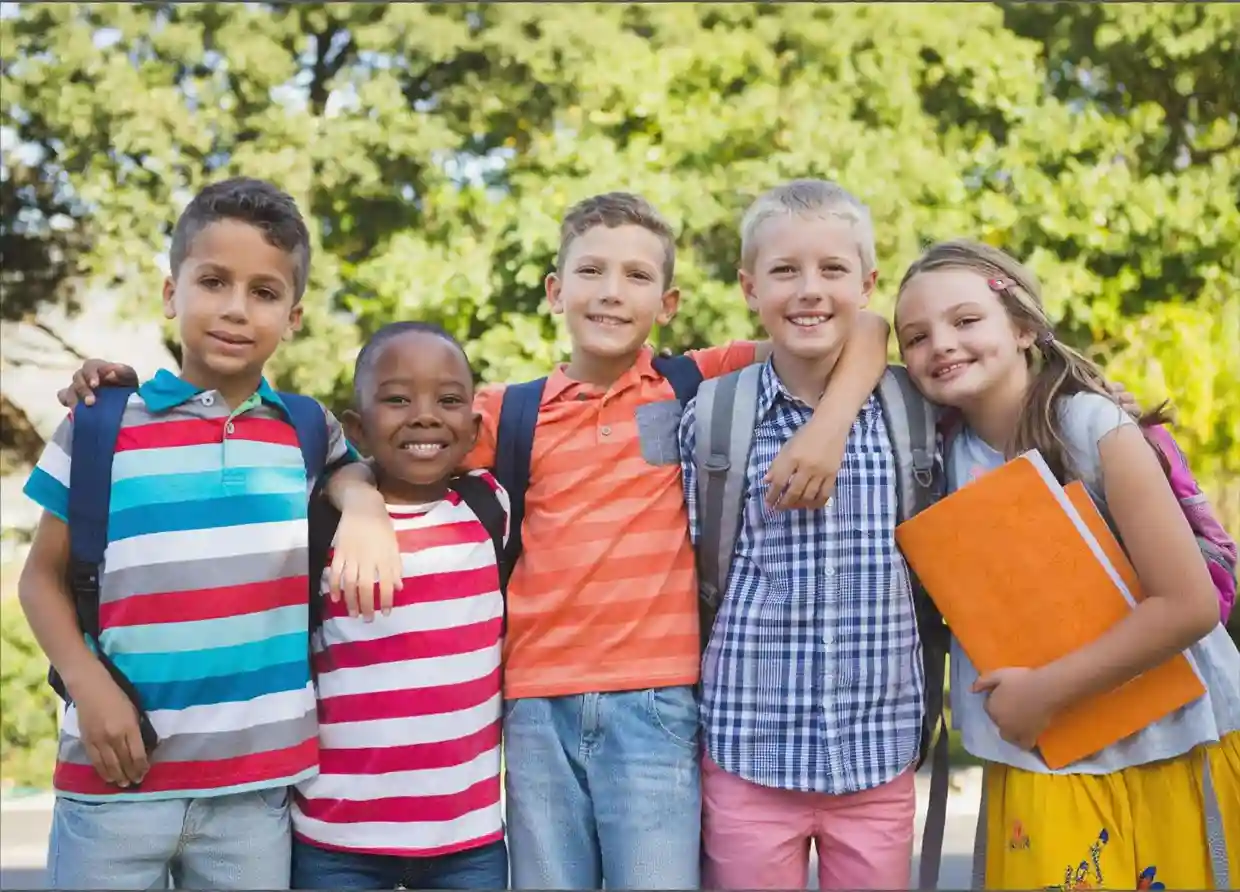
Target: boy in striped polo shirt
[[203, 591]]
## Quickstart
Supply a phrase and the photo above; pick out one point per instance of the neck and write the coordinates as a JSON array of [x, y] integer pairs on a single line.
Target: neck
[[995, 414], [601, 370], [403, 492], [233, 389], [806, 379]]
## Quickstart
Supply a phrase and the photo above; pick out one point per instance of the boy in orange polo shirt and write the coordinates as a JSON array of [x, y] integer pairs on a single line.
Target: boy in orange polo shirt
[[602, 650]]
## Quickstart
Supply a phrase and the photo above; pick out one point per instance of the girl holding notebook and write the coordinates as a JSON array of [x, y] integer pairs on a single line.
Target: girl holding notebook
[[1163, 805]]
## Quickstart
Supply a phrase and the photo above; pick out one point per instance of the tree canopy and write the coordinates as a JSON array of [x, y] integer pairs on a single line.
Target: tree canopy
[[435, 147]]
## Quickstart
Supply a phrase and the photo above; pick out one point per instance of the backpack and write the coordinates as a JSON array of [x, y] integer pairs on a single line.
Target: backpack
[[95, 429], [1218, 549], [726, 418], [514, 439], [324, 518]]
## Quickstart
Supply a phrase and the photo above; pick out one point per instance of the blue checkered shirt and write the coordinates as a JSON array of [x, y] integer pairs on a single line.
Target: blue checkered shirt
[[812, 679]]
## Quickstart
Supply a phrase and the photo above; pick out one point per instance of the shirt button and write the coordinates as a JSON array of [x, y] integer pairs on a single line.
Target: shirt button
[[207, 399], [831, 502], [606, 431], [830, 571], [228, 428]]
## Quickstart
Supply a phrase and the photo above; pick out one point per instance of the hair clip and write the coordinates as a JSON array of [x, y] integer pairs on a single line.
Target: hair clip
[[1045, 339], [997, 284]]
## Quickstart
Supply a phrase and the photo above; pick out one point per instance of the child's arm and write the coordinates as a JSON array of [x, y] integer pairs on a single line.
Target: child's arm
[[366, 552], [107, 721], [1180, 605], [803, 473]]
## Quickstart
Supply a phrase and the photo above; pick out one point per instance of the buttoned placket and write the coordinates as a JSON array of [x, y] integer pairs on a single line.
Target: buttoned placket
[[232, 473]]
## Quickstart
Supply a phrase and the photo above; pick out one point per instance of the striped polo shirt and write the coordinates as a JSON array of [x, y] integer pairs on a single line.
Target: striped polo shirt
[[604, 597], [204, 595]]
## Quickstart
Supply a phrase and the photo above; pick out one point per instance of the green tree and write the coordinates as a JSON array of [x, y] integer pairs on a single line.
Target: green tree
[[435, 147]]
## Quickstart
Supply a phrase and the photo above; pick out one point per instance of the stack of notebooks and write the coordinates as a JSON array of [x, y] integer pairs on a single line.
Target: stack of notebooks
[[1025, 571]]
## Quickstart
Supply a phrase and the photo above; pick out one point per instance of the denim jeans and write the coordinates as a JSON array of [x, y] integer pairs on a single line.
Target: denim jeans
[[604, 789], [485, 867], [239, 841]]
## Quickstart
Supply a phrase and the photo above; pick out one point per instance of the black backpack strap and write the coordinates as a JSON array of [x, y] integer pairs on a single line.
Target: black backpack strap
[[514, 446], [482, 500], [322, 518], [682, 373], [95, 429]]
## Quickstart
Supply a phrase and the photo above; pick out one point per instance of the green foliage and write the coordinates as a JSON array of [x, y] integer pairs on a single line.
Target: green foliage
[[435, 147], [28, 720]]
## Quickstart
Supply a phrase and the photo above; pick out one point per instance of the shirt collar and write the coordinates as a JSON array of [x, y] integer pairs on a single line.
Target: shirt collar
[[771, 388], [558, 381], [167, 391]]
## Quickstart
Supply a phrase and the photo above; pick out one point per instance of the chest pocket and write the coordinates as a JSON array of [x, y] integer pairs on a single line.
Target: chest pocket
[[658, 431]]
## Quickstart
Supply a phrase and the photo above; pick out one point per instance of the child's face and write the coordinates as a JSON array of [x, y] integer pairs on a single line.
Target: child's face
[[807, 283], [956, 337], [611, 290], [416, 417], [234, 299]]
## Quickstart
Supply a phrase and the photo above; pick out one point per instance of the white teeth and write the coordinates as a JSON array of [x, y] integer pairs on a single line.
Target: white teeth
[[424, 449], [949, 369], [602, 320], [807, 321]]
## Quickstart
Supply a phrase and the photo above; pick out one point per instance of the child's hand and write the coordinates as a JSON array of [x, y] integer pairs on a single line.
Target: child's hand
[[108, 726], [803, 473], [88, 378], [1019, 703], [1126, 400], [366, 550]]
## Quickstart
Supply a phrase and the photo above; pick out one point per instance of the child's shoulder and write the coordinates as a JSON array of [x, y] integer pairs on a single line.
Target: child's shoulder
[[1087, 417]]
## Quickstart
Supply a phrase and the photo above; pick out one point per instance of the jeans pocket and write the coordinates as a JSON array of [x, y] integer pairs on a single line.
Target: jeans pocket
[[675, 712], [274, 799]]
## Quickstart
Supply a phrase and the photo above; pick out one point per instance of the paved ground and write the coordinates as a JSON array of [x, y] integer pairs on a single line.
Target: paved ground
[[24, 826]]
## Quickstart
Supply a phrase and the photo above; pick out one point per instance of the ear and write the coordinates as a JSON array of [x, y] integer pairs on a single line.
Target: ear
[[352, 424], [295, 318], [170, 307], [552, 284], [669, 305], [475, 430], [747, 288], [867, 287], [1024, 339]]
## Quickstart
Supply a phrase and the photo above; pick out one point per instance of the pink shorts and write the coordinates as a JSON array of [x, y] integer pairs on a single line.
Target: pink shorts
[[758, 837]]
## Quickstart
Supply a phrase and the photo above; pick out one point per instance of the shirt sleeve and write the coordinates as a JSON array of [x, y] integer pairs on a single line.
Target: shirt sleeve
[[688, 467], [48, 484], [487, 403], [715, 362]]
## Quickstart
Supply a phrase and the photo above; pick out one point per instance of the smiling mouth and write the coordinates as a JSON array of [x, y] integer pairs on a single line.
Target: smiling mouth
[[423, 450], [613, 321], [809, 321], [230, 339], [945, 371]]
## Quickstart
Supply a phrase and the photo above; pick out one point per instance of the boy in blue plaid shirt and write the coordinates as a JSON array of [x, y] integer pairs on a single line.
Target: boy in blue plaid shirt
[[812, 678]]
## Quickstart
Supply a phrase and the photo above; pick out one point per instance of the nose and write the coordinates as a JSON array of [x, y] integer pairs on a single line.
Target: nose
[[813, 286], [612, 283], [236, 303], [423, 412]]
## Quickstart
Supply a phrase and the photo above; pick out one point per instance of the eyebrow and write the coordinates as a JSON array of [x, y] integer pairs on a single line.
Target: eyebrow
[[955, 308], [594, 258], [214, 267], [442, 381]]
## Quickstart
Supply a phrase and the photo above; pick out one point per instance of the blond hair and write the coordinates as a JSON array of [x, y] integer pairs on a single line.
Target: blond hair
[[812, 199], [613, 209], [1058, 370]]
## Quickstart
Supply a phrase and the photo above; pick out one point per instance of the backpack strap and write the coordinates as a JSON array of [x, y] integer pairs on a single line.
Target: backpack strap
[[95, 429], [482, 500], [682, 373], [514, 446], [309, 420], [725, 425], [912, 427]]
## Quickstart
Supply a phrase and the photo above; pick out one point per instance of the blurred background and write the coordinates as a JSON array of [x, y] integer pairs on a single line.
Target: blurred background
[[434, 148]]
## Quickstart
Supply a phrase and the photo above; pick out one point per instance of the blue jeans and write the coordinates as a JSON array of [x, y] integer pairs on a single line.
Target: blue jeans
[[485, 867], [241, 841], [604, 789]]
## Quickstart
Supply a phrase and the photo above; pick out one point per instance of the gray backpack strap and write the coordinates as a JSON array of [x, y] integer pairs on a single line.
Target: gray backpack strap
[[912, 428], [1216, 839], [725, 424]]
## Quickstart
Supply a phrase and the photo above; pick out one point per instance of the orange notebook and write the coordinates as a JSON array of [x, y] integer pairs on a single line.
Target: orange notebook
[[1019, 584]]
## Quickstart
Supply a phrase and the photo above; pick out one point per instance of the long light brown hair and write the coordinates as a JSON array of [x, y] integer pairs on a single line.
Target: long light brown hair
[[1057, 370]]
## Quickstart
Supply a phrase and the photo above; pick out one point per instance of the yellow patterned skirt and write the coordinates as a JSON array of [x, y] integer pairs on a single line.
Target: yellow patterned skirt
[[1140, 828]]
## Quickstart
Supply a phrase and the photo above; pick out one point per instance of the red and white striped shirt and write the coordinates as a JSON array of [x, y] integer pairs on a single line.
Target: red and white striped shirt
[[410, 704]]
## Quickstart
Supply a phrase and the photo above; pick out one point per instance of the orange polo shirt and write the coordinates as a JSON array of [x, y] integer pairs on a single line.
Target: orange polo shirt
[[604, 596]]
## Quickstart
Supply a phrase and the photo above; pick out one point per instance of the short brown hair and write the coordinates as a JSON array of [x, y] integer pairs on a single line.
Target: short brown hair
[[614, 209]]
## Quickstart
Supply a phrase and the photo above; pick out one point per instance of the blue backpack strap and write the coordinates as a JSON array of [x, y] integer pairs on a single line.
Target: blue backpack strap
[[682, 373], [309, 420], [95, 429], [514, 444]]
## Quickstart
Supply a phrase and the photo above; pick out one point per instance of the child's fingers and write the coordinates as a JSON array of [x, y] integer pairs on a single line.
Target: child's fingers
[[132, 753], [108, 765]]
